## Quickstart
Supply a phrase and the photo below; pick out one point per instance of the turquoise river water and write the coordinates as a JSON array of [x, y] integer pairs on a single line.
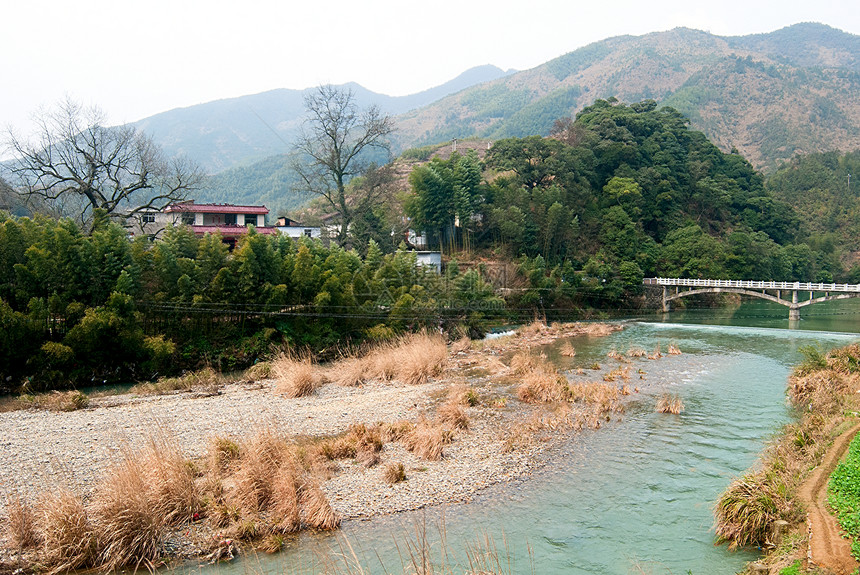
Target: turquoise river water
[[637, 495]]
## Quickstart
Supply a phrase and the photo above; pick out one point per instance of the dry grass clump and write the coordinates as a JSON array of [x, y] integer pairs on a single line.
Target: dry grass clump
[[348, 371], [222, 453], [394, 473], [285, 489], [206, 379], [360, 441], [53, 401], [523, 362], [395, 431], [619, 372], [451, 413], [614, 354], [747, 510], [129, 523], [461, 345], [426, 440], [258, 371], [602, 397], [20, 529], [260, 458], [818, 391], [68, 536], [137, 499], [295, 376], [543, 385], [534, 328], [598, 329], [668, 403], [656, 354], [421, 356], [673, 349], [636, 352], [271, 488], [316, 510], [412, 359], [567, 349]]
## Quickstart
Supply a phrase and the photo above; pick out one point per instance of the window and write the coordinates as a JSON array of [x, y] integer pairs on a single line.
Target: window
[[148, 218], [250, 220], [230, 219], [309, 233], [188, 219]]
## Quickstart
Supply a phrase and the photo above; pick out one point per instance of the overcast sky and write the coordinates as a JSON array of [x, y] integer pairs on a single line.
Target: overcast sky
[[136, 58]]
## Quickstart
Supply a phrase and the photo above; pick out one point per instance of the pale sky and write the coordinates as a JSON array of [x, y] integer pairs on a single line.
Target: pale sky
[[136, 58]]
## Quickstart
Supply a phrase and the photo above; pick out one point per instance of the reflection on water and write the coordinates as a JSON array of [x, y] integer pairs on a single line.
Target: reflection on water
[[636, 496]]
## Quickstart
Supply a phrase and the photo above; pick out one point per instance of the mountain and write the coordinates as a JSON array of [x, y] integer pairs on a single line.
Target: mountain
[[795, 90], [225, 133]]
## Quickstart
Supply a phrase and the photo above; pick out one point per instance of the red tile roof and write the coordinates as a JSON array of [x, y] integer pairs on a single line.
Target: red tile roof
[[216, 209]]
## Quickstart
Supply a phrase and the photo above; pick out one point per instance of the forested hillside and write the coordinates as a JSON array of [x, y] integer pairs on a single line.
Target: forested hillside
[[621, 193], [825, 193]]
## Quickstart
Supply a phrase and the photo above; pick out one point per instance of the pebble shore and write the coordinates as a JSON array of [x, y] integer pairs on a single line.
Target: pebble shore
[[40, 449]]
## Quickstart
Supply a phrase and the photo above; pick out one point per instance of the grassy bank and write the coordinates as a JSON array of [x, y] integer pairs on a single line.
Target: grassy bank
[[844, 495], [764, 508]]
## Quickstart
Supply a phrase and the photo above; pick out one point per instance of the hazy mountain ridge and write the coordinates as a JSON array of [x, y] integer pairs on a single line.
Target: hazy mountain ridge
[[234, 131], [768, 95]]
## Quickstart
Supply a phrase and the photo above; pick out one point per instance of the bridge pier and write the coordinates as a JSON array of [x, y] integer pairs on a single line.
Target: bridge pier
[[667, 305], [793, 309]]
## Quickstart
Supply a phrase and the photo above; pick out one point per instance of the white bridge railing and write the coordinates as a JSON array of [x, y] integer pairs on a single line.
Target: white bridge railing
[[744, 284]]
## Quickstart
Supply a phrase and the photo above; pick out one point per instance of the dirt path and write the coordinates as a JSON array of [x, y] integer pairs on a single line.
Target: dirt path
[[827, 548]]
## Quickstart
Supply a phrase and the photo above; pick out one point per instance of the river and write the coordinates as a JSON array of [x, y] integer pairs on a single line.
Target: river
[[637, 495]]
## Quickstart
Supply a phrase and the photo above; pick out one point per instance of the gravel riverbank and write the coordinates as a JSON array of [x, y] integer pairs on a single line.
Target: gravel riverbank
[[42, 449]]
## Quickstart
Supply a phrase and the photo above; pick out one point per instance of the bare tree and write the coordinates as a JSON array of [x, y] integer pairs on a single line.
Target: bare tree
[[79, 165], [333, 147]]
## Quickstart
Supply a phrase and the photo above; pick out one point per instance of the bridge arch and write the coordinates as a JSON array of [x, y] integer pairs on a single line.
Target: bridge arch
[[758, 289]]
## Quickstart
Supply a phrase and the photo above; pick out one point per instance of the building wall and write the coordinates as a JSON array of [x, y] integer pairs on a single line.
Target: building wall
[[299, 231]]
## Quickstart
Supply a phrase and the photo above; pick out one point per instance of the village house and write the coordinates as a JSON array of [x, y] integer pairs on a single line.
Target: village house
[[231, 221]]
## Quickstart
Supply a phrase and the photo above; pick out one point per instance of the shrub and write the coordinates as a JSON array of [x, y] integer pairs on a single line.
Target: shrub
[[160, 352]]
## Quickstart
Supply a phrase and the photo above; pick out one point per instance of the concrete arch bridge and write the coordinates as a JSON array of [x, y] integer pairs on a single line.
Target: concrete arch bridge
[[793, 295]]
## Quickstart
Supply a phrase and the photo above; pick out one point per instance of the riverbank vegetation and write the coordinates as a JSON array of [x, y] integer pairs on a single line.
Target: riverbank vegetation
[[748, 514], [559, 227]]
